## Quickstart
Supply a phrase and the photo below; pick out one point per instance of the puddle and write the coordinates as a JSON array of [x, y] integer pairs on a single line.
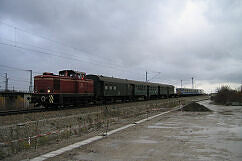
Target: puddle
[[144, 137], [141, 157], [166, 124], [186, 136], [114, 144], [226, 113], [86, 157], [216, 136], [161, 127], [144, 141]]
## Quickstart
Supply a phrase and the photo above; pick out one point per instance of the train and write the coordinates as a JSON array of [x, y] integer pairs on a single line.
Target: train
[[73, 88], [189, 92]]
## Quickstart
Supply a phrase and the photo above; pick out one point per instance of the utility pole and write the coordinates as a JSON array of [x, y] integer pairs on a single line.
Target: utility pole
[[146, 76], [30, 81], [6, 81], [15, 36], [241, 87], [181, 83], [192, 83]]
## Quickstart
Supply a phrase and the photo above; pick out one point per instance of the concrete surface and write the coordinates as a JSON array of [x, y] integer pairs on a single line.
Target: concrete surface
[[95, 138], [173, 137]]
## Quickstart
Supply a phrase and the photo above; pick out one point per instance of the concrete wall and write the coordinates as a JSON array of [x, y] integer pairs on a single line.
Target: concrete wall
[[14, 101]]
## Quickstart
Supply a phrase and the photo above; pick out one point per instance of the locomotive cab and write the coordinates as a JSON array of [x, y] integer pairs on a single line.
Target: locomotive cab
[[72, 74], [69, 87]]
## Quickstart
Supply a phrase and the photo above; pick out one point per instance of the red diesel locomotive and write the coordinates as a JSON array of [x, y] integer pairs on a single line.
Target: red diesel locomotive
[[76, 88], [68, 88]]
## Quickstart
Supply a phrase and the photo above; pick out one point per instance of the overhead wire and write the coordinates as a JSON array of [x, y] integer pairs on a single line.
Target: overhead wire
[[2, 76], [43, 37], [154, 76], [55, 41], [17, 44], [17, 79], [17, 69], [65, 57], [60, 43]]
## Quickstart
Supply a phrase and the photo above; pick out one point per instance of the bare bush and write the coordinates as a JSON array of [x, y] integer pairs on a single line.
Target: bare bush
[[226, 95]]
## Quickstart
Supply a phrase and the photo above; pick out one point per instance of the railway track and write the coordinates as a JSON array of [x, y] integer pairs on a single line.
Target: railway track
[[43, 109], [15, 112]]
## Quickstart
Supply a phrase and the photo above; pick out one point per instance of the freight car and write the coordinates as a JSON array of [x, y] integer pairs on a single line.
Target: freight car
[[189, 92], [75, 88]]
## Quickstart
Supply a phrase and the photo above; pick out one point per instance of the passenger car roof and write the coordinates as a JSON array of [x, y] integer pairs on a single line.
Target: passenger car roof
[[119, 80]]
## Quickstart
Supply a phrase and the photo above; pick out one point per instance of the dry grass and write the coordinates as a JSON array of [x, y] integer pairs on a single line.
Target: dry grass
[[75, 122]]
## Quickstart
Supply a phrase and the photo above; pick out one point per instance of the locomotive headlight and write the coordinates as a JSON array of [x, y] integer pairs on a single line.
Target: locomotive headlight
[[48, 90]]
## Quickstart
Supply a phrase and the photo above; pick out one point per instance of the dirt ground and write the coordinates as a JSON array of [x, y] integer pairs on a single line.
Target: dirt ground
[[22, 118], [31, 153], [176, 136]]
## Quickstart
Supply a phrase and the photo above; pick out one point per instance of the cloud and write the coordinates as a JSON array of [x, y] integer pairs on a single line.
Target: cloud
[[179, 39]]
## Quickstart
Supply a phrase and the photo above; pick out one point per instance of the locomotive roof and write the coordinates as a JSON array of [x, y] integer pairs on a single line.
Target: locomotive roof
[[119, 80], [71, 71], [189, 88]]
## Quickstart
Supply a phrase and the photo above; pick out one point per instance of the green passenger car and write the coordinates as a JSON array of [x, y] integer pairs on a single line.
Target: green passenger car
[[109, 88]]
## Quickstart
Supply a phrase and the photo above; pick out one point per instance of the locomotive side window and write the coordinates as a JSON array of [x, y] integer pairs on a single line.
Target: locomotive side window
[[56, 84], [110, 87], [106, 87], [82, 76], [114, 88]]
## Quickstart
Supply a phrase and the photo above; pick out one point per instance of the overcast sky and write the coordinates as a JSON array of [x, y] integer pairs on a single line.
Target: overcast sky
[[172, 40]]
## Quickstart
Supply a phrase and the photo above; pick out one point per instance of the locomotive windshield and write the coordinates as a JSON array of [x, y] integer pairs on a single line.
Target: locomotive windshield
[[72, 74]]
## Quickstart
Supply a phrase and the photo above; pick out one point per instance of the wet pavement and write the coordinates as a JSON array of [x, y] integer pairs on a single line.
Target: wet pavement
[[200, 136]]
